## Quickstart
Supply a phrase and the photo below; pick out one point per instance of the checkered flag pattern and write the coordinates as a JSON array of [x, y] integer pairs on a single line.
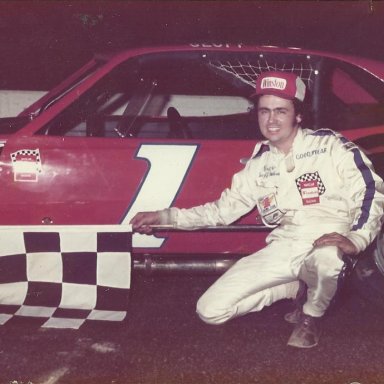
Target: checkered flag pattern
[[310, 177], [28, 153], [64, 276]]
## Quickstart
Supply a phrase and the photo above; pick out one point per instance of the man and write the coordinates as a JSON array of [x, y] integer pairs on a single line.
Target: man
[[320, 191]]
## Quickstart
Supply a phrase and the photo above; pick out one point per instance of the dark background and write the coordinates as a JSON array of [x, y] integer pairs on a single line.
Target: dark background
[[44, 41]]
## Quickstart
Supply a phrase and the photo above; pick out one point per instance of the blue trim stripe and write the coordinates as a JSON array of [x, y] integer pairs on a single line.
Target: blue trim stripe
[[324, 132], [370, 187], [369, 191], [263, 148]]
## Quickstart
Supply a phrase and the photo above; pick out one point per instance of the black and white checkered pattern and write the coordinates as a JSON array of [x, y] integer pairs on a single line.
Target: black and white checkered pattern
[[28, 152], [65, 275], [310, 177]]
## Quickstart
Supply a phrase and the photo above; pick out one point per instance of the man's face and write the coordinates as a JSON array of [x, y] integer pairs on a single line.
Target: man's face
[[278, 121]]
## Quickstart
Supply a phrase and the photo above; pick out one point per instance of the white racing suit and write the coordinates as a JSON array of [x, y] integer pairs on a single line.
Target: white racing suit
[[325, 184]]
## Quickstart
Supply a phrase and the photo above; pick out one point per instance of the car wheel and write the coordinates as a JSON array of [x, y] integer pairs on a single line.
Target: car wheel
[[368, 276]]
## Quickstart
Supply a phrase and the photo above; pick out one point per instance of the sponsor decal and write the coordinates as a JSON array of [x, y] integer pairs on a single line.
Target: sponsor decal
[[268, 209], [26, 164], [314, 152], [268, 203], [273, 218], [273, 82], [310, 187]]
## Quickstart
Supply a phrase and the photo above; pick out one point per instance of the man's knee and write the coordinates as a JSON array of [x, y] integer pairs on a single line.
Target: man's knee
[[329, 270], [211, 313], [327, 265]]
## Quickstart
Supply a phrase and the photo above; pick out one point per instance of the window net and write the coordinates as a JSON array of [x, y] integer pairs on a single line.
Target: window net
[[247, 71]]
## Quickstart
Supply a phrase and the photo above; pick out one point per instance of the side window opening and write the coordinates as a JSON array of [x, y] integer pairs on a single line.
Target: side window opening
[[167, 96], [97, 111], [165, 99], [352, 99]]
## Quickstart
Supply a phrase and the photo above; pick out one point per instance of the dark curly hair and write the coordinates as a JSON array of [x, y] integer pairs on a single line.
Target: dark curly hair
[[303, 108]]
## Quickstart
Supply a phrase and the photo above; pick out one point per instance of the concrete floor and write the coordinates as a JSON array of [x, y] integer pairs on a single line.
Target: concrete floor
[[163, 342]]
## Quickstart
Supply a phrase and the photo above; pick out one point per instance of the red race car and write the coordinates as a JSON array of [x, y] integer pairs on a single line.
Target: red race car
[[151, 128]]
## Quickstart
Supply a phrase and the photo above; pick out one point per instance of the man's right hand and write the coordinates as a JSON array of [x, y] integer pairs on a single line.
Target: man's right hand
[[142, 222]]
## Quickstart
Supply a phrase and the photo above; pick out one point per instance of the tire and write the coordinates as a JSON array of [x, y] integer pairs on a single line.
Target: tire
[[368, 275]]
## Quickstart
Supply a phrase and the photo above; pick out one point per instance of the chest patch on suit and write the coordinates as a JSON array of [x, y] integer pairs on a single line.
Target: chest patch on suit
[[269, 210], [310, 187]]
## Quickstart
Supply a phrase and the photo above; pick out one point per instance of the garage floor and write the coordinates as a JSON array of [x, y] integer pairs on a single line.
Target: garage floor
[[163, 342]]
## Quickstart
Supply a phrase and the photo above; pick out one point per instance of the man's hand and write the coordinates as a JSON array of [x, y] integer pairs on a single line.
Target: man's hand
[[142, 222], [340, 241]]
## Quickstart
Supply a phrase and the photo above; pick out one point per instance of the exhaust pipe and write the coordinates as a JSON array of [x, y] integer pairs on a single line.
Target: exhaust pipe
[[169, 264]]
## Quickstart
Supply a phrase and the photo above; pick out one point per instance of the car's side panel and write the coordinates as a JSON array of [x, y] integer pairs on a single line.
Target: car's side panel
[[104, 180], [92, 180]]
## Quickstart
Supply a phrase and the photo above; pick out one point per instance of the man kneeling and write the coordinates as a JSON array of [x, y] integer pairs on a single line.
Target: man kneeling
[[320, 192]]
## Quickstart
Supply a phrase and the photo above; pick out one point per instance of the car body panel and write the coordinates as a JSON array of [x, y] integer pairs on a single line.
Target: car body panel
[[72, 164]]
